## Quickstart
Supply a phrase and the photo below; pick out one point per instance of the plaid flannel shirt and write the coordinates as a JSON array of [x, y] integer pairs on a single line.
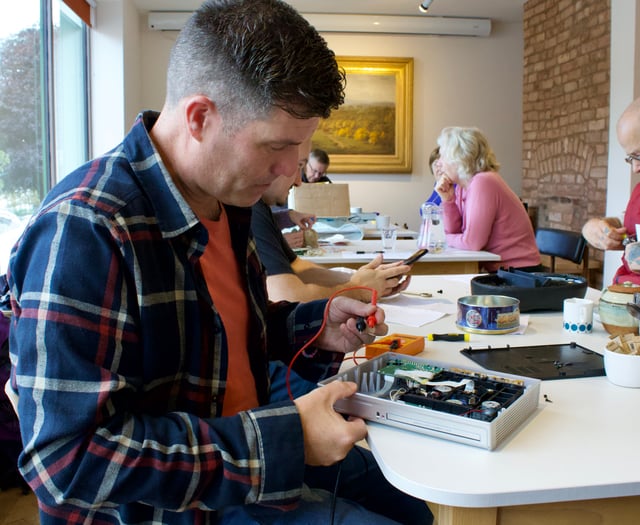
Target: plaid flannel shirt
[[119, 355]]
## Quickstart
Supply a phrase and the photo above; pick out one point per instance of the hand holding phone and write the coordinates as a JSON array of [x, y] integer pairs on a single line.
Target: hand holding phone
[[415, 256]]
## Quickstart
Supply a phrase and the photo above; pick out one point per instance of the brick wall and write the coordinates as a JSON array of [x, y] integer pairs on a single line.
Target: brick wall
[[566, 111]]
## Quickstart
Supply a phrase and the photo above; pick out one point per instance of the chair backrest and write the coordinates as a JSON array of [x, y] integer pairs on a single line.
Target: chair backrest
[[561, 243]]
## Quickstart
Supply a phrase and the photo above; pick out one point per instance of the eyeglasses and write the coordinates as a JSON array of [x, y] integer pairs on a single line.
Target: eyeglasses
[[631, 157], [316, 172]]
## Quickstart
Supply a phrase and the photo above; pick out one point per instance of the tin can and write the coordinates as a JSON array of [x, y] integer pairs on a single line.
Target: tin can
[[488, 314]]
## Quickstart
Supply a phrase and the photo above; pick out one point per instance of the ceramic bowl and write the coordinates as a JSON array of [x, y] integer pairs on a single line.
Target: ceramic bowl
[[613, 312], [622, 369]]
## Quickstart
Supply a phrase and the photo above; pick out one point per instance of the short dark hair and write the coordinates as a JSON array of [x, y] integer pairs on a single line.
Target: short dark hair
[[320, 155], [250, 56]]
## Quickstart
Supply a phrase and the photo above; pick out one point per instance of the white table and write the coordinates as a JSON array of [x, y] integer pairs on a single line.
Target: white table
[[576, 460], [357, 253]]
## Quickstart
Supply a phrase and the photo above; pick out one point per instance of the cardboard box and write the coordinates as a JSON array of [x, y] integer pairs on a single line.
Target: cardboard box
[[323, 199]]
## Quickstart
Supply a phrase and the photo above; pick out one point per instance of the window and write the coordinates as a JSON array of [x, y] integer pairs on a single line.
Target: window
[[43, 106]]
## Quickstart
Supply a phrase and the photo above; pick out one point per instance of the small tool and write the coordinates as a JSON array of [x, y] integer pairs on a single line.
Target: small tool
[[419, 294], [448, 337]]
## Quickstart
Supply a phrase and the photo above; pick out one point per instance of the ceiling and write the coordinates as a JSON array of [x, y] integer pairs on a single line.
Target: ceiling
[[496, 10]]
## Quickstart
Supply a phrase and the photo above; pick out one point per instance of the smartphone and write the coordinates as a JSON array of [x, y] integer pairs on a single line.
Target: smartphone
[[414, 257]]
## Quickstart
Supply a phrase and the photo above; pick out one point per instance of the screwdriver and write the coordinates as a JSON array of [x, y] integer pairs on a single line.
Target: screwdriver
[[448, 337]]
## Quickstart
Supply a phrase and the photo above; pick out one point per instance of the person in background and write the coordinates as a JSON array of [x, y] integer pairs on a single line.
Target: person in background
[[434, 198], [316, 166], [608, 233], [480, 211], [291, 278], [288, 218], [141, 330]]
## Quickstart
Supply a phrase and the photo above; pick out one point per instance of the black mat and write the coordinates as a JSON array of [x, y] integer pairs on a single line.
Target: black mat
[[560, 361]]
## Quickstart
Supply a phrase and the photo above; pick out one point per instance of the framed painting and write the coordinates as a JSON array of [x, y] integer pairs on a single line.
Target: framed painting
[[372, 131]]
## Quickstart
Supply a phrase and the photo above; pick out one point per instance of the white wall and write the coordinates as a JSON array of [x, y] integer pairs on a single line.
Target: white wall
[[457, 81], [107, 76]]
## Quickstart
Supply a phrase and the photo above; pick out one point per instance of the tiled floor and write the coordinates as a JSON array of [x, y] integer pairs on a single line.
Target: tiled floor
[[17, 508]]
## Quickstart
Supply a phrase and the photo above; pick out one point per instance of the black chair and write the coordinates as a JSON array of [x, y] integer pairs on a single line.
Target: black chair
[[563, 244]]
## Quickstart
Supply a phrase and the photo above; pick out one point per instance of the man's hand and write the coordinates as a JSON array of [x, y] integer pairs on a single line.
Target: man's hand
[[328, 437], [605, 234], [340, 334], [387, 279], [294, 239], [303, 220]]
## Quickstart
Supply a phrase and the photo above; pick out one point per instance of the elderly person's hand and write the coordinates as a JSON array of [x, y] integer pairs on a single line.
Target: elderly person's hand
[[605, 234], [445, 188]]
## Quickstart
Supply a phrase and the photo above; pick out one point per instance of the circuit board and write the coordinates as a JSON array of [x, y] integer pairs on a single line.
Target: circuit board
[[455, 391]]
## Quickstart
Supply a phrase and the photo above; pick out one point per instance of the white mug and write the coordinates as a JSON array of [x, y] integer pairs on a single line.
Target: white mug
[[577, 315], [383, 221]]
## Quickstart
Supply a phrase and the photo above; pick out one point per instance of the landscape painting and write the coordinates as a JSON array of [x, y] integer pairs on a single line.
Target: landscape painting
[[371, 131]]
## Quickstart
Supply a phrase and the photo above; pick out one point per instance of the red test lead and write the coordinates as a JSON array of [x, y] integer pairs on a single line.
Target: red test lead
[[371, 320]]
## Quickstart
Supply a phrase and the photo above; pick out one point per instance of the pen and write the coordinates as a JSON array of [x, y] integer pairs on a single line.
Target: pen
[[360, 252], [448, 337]]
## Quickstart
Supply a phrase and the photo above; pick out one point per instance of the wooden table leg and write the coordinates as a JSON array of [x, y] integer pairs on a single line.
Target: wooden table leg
[[609, 511], [446, 515]]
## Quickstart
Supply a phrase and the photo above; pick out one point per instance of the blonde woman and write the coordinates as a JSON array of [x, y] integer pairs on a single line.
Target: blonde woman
[[481, 212]]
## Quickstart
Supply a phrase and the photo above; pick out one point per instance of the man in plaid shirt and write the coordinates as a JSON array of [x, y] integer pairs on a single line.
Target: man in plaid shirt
[[141, 329]]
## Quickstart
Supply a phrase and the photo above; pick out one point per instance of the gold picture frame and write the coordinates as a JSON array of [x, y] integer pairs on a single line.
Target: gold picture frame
[[372, 131]]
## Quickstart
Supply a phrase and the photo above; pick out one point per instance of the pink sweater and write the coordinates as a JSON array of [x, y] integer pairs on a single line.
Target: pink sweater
[[487, 215]]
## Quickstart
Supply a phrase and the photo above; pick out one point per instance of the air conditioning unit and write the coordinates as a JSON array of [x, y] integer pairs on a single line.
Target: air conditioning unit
[[167, 20], [349, 23], [396, 24]]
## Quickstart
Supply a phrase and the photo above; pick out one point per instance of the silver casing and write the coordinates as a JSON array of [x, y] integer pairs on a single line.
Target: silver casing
[[369, 404]]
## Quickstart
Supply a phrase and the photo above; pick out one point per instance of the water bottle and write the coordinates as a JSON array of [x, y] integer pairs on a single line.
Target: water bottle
[[436, 238], [423, 236]]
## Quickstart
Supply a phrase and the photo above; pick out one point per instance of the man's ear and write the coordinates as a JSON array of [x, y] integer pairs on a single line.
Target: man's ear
[[200, 111]]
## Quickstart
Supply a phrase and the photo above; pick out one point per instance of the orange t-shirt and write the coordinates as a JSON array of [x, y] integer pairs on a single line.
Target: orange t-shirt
[[227, 290]]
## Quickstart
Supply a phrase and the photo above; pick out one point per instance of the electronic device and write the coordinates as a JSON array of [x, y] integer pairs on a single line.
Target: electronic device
[[415, 256], [473, 406]]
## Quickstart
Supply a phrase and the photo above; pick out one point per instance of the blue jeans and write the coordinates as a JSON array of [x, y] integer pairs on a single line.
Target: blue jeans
[[315, 508]]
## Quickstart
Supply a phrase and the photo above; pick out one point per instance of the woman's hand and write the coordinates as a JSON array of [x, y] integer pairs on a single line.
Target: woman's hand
[[445, 188]]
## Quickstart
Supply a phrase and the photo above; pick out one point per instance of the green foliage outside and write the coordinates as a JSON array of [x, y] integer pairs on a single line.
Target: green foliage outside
[[21, 122]]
